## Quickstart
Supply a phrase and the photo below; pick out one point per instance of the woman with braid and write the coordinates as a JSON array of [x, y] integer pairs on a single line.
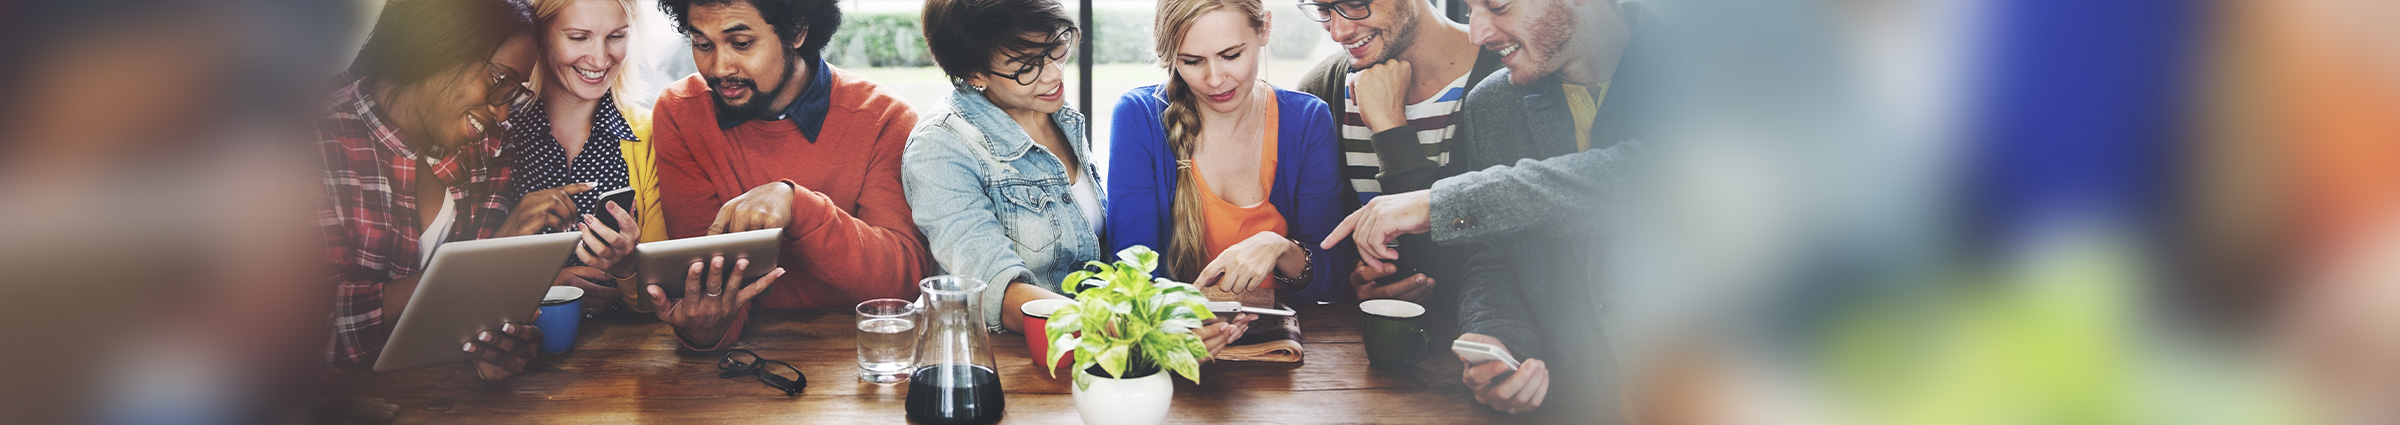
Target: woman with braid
[[1222, 172]]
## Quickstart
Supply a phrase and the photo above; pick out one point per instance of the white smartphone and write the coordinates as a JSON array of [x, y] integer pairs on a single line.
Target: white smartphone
[[1475, 352], [1236, 307]]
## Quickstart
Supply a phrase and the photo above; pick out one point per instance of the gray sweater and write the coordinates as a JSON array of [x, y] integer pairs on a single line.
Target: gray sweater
[[1532, 219]]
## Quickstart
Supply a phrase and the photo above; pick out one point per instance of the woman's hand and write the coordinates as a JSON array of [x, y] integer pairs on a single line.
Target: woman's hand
[[1218, 333], [1246, 266], [599, 289], [610, 250], [499, 355], [709, 303], [767, 206], [546, 208]]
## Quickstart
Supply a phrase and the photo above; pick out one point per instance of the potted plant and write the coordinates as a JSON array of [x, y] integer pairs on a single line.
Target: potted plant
[[1126, 333]]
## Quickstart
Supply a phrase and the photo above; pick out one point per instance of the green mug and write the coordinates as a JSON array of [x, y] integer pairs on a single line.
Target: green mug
[[1394, 340]]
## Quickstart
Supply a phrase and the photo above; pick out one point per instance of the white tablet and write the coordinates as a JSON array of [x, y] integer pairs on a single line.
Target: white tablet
[[666, 263], [474, 286]]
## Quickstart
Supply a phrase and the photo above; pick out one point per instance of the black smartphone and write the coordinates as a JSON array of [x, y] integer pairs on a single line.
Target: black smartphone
[[623, 198], [1402, 267]]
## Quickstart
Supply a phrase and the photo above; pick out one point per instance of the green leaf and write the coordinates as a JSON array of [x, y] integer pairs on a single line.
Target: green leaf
[[1113, 361], [1140, 257], [1057, 351]]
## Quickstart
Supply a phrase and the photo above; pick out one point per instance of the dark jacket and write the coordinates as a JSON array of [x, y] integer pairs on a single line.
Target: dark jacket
[[1532, 219]]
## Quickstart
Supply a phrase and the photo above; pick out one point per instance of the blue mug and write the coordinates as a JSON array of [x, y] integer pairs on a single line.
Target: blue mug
[[562, 311]]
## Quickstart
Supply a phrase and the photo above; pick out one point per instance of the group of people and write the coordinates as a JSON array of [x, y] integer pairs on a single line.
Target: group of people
[[1481, 153]]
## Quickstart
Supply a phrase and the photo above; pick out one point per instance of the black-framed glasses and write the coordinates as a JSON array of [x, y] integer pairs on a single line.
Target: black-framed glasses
[[1062, 45], [506, 90], [776, 374], [1349, 9]]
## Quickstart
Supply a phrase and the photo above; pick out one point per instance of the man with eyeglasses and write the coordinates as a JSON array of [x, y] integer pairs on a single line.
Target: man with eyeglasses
[[411, 159], [1396, 91], [767, 135]]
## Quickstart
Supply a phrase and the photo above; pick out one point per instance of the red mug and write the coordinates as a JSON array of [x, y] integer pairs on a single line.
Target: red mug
[[1037, 315]]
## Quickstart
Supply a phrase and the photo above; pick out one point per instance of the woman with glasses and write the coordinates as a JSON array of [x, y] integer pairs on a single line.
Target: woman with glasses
[[580, 139], [1230, 174], [1000, 177]]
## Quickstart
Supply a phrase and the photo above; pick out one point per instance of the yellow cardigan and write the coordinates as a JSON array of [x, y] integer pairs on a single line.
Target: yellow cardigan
[[641, 170]]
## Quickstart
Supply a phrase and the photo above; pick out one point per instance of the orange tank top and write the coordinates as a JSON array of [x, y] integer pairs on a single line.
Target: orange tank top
[[1229, 224]]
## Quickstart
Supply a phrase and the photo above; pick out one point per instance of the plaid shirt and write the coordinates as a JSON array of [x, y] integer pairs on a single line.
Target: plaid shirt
[[369, 214]]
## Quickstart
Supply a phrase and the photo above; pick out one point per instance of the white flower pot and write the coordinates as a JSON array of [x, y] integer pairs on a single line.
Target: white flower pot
[[1141, 400]]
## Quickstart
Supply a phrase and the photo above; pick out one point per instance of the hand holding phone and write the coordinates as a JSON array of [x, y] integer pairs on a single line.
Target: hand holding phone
[[624, 199], [1474, 353]]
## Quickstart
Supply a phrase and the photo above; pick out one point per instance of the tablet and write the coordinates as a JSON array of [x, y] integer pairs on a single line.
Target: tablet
[[666, 263], [474, 286]]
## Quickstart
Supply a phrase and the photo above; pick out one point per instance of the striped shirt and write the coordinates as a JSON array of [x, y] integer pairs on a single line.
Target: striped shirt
[[1434, 120]]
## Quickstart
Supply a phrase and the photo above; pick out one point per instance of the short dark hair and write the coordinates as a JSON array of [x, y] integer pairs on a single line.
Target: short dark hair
[[964, 35], [413, 39], [820, 17]]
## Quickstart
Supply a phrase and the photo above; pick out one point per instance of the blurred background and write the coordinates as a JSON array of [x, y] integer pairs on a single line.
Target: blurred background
[[1876, 211]]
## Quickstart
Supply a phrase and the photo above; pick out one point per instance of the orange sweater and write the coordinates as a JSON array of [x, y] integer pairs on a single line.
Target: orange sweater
[[851, 237]]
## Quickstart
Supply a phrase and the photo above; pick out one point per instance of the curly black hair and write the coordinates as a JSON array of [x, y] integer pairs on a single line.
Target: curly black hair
[[819, 18]]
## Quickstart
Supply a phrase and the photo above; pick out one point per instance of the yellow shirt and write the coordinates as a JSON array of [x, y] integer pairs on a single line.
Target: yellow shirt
[[641, 171], [1584, 103]]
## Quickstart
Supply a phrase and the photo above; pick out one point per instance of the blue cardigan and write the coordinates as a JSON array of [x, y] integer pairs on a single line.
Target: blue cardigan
[[1308, 188]]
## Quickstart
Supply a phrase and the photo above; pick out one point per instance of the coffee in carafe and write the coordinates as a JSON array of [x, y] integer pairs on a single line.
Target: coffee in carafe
[[955, 381]]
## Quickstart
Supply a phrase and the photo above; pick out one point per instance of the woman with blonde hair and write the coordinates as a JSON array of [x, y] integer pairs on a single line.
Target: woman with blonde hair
[[581, 134], [1229, 174]]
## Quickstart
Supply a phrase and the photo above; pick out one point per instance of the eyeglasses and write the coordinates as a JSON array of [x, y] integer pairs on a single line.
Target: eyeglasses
[[1062, 45], [506, 90], [1349, 9], [776, 374]]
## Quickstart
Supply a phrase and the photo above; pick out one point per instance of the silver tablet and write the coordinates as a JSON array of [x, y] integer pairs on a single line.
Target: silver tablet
[[666, 263], [474, 286]]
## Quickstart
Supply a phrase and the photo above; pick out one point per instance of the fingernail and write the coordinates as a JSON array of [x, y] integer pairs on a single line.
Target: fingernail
[[469, 348], [508, 327]]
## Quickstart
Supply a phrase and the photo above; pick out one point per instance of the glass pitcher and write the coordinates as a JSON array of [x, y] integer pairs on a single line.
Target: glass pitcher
[[956, 381]]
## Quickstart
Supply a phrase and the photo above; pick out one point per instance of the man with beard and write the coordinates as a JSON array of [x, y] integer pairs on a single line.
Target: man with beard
[[1557, 138], [1396, 91], [767, 135]]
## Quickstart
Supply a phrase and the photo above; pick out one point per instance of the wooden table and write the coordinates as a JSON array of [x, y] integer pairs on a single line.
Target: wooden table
[[626, 368]]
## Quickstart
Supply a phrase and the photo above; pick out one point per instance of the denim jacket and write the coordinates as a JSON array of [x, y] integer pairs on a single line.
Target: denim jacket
[[976, 183]]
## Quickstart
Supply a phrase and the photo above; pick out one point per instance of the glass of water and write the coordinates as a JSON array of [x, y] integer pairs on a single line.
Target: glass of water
[[887, 336]]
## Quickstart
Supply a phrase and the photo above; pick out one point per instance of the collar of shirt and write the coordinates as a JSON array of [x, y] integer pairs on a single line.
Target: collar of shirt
[[807, 112], [608, 123]]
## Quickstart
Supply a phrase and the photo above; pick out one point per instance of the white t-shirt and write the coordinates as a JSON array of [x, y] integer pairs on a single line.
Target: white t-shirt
[[437, 231], [1087, 198]]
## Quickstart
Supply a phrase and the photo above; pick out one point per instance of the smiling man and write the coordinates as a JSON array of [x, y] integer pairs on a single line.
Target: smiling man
[[768, 135], [1395, 91], [1557, 140]]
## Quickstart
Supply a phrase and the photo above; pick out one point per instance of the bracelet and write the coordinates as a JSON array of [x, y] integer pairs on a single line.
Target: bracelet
[[1308, 268]]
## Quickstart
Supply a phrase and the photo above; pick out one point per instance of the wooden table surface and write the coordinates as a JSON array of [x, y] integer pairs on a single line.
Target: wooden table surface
[[626, 368]]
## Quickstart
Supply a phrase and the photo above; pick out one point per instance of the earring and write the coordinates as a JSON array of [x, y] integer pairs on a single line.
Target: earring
[[978, 88]]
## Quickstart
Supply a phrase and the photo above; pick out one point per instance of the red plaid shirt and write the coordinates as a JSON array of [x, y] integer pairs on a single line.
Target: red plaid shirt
[[369, 213]]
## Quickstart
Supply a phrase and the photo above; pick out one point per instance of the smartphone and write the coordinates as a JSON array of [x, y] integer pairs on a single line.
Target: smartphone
[[1401, 267], [1235, 307], [623, 198], [1476, 353]]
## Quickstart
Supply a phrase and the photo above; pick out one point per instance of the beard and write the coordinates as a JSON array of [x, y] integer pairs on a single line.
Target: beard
[[1401, 38], [1549, 37], [761, 101]]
